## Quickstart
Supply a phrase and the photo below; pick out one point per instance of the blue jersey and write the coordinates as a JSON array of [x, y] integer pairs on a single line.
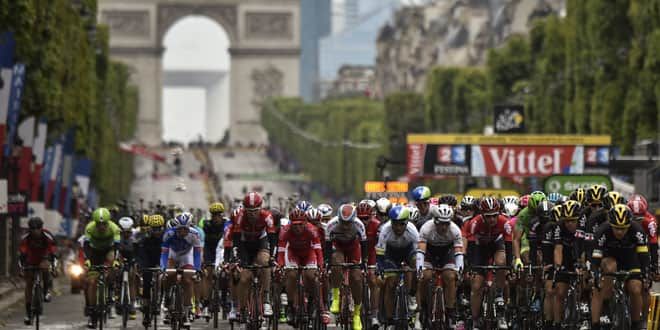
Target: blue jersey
[[172, 244]]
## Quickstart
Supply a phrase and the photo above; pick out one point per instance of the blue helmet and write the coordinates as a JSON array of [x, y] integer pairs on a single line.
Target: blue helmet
[[399, 213], [184, 219], [304, 206], [421, 193]]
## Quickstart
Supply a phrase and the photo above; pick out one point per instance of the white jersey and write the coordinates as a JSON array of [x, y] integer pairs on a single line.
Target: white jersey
[[336, 232], [389, 240], [220, 253], [450, 238]]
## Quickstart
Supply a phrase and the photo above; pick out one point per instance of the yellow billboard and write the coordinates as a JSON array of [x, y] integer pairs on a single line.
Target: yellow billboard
[[510, 139]]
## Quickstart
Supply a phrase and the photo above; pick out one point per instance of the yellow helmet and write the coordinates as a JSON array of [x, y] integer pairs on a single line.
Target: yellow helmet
[[145, 220], [578, 195], [571, 210], [556, 212], [613, 198], [620, 216], [216, 207], [156, 220]]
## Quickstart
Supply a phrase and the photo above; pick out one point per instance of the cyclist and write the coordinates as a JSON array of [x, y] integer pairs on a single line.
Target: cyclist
[[549, 215], [253, 235], [127, 252], [365, 212], [300, 245], [567, 251], [214, 229], [639, 208], [620, 246], [326, 213], [383, 206], [421, 195], [346, 242], [100, 244], [182, 248], [488, 232], [524, 223], [441, 246], [36, 249], [595, 214], [148, 248], [398, 244]]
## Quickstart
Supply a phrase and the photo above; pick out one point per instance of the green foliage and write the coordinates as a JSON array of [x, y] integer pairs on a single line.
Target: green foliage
[[336, 142], [71, 81]]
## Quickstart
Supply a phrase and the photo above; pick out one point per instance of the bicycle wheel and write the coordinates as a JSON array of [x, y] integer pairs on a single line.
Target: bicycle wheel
[[124, 303], [439, 320], [570, 320], [366, 306], [100, 304], [345, 314], [37, 304], [401, 309], [621, 314]]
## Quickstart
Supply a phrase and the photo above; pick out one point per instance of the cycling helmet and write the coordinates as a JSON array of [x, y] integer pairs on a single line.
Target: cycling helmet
[[217, 207], [325, 209], [314, 215], [524, 201], [371, 202], [297, 216], [596, 194], [544, 210], [252, 200], [468, 202], [101, 215], [35, 223], [414, 213], [183, 220], [235, 213], [383, 205], [364, 210], [156, 220], [535, 199], [126, 223], [442, 213], [399, 213], [556, 213], [346, 213], [303, 206], [578, 195], [421, 193], [511, 209], [489, 206], [612, 198], [554, 197], [620, 216], [571, 210], [638, 205], [448, 199], [510, 200]]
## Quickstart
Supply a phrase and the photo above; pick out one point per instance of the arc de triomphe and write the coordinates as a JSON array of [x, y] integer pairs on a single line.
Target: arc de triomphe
[[264, 38]]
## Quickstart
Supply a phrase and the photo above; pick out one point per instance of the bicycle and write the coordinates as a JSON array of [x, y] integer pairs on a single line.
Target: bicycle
[[252, 314], [176, 311], [527, 314], [620, 306], [345, 321], [218, 298], [153, 310], [366, 303], [103, 304], [402, 317], [37, 293], [489, 311], [435, 317], [125, 299], [575, 313], [309, 308]]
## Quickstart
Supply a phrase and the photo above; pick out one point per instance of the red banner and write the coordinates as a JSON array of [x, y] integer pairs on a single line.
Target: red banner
[[526, 160]]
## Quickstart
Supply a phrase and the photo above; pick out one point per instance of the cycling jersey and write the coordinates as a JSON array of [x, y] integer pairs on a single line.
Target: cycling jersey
[[302, 248], [148, 249], [213, 233], [395, 249], [250, 230], [185, 251], [349, 239], [524, 218], [571, 243], [423, 218], [441, 248], [102, 240], [630, 252], [547, 241], [486, 234], [650, 228], [127, 247], [35, 249], [509, 226], [593, 220], [372, 229]]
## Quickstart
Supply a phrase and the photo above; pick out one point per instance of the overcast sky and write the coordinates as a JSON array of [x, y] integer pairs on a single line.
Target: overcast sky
[[193, 43]]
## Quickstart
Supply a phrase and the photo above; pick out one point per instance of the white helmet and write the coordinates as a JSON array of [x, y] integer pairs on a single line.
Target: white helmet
[[510, 200], [511, 209], [383, 205], [126, 223], [414, 213], [325, 209], [442, 213]]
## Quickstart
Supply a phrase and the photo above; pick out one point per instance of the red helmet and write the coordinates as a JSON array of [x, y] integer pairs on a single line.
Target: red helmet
[[252, 200], [364, 210], [489, 206], [314, 215], [235, 213], [297, 216], [524, 201], [638, 205]]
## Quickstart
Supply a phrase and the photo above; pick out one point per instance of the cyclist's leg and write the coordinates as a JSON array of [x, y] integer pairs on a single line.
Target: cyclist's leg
[[291, 283], [186, 262], [475, 296], [355, 281], [29, 282], [634, 290], [146, 289], [263, 257], [374, 289], [560, 295], [499, 260], [449, 280], [336, 274], [207, 281], [422, 286], [46, 280], [549, 305], [598, 295]]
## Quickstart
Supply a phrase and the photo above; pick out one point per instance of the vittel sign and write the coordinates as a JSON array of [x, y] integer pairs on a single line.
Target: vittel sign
[[526, 160]]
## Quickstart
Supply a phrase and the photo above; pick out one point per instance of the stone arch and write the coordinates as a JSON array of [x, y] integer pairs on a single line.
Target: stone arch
[[224, 15]]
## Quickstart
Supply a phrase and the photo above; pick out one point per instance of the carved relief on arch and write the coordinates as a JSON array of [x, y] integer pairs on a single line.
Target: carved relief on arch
[[225, 15], [268, 81]]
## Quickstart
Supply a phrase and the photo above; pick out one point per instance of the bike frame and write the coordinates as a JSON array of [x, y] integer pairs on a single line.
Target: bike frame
[[37, 294], [345, 297]]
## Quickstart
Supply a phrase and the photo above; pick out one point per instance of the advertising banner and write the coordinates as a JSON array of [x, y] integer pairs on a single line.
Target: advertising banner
[[18, 204], [510, 161], [438, 160], [565, 184]]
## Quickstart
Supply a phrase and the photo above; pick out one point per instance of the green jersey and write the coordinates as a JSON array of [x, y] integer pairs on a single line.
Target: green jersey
[[523, 220], [102, 240]]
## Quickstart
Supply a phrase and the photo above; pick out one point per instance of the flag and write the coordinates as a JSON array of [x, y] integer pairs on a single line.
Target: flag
[[82, 173], [38, 149], [15, 94], [7, 49], [53, 171], [5, 89], [67, 174], [57, 192], [26, 133]]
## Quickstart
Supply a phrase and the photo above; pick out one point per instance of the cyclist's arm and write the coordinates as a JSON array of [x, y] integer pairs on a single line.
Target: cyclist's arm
[[164, 254], [381, 246], [318, 251], [219, 253], [197, 253], [459, 249], [281, 247]]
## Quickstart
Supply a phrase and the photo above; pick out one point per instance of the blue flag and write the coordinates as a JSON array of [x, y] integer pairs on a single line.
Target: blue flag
[[15, 94], [7, 49]]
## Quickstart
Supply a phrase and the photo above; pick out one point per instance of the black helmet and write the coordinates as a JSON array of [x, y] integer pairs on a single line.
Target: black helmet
[[544, 210], [35, 223]]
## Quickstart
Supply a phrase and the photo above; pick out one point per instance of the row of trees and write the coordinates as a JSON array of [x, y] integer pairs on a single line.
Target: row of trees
[[71, 81]]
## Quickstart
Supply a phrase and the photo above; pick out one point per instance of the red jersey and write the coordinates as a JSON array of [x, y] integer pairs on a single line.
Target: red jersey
[[465, 230], [509, 227], [254, 230], [299, 244], [372, 227], [485, 234], [36, 249], [650, 228]]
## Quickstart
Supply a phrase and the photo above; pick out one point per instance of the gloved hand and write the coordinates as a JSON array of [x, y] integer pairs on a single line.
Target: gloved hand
[[517, 263], [116, 263], [87, 265]]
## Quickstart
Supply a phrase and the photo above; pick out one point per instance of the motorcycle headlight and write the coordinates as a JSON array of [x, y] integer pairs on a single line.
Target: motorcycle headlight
[[75, 270]]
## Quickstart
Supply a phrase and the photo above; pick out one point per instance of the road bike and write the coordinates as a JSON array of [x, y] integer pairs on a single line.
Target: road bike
[[345, 320], [178, 315], [103, 295], [252, 313], [402, 318], [37, 293], [489, 310]]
